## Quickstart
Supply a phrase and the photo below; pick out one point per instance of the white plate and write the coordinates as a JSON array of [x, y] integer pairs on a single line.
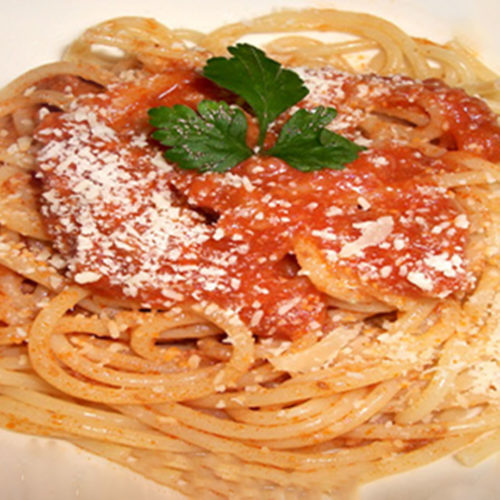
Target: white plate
[[32, 33]]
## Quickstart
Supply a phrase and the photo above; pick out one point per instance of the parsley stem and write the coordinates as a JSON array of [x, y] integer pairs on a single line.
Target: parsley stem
[[262, 136]]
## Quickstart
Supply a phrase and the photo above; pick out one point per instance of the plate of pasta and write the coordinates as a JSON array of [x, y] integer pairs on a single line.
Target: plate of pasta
[[250, 252]]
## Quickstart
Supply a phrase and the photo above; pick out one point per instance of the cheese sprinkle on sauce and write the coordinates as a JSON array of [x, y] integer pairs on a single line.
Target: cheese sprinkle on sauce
[[130, 225]]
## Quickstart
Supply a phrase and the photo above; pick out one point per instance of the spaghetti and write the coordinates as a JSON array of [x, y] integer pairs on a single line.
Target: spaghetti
[[264, 331]]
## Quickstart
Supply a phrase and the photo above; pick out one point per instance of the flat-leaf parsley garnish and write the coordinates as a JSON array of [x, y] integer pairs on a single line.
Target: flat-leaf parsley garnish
[[305, 144], [214, 137], [211, 140], [266, 86]]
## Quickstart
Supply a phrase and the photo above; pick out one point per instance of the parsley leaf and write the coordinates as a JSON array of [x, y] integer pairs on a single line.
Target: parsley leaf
[[305, 144], [214, 139], [263, 83]]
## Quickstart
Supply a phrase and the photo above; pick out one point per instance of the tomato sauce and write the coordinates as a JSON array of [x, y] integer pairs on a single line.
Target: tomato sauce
[[132, 226]]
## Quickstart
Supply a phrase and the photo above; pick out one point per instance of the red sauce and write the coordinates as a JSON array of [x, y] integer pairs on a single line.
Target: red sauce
[[131, 226]]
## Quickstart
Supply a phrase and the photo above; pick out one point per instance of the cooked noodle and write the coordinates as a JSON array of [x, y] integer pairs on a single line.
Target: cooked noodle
[[188, 396]]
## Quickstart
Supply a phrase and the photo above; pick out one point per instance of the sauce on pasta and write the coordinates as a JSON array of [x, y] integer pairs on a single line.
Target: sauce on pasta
[[135, 226]]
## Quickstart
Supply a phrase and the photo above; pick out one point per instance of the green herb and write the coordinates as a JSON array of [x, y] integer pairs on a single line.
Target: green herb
[[212, 139], [266, 86], [305, 144]]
